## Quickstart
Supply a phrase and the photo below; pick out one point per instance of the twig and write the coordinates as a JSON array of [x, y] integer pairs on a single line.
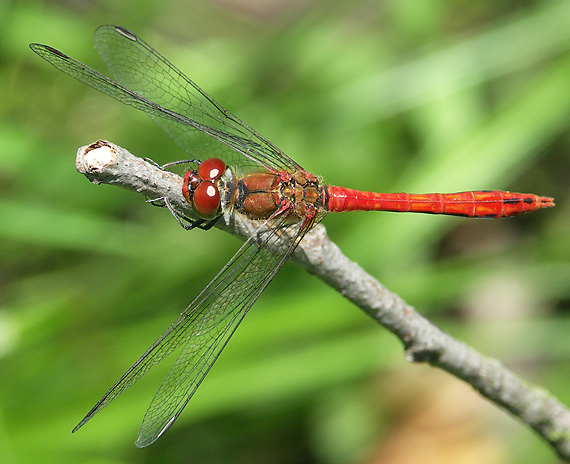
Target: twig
[[104, 162]]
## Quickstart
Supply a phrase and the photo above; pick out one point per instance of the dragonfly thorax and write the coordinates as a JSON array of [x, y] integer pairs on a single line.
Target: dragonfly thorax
[[259, 195]]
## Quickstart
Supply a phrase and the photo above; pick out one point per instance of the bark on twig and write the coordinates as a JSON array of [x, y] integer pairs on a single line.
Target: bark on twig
[[104, 162]]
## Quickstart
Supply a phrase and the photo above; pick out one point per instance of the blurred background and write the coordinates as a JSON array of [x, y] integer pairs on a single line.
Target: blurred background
[[418, 96]]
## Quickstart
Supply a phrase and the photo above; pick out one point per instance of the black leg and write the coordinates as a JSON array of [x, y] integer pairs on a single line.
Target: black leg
[[173, 163], [184, 221]]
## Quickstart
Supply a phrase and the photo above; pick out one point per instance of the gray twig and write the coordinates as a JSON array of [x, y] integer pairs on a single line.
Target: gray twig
[[104, 162]]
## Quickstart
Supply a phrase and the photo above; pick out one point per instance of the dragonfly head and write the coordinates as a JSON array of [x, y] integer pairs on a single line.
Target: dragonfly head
[[201, 188]]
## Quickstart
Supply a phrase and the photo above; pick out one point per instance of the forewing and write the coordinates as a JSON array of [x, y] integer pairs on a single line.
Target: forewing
[[194, 120], [142, 69], [89, 76], [139, 67], [205, 327]]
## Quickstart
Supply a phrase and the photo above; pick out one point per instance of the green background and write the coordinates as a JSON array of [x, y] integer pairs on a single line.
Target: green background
[[419, 96]]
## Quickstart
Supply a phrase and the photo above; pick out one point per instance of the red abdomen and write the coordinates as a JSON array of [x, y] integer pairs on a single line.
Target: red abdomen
[[484, 204]]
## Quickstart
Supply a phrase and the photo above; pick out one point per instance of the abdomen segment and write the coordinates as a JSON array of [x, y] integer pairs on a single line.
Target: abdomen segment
[[484, 204]]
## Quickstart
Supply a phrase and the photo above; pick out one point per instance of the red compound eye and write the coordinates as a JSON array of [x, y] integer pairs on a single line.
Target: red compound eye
[[206, 200], [211, 168]]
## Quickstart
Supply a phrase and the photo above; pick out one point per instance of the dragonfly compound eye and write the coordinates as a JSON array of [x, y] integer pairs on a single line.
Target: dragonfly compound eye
[[206, 200], [211, 169]]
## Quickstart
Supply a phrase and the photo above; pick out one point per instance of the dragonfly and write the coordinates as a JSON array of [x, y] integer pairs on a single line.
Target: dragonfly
[[237, 171]]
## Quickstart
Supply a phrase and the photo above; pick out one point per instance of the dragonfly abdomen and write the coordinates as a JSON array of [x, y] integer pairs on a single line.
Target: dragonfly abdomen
[[483, 204]]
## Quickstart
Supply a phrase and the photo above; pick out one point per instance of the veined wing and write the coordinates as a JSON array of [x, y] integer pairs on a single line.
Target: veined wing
[[202, 127], [205, 327], [139, 67], [89, 76]]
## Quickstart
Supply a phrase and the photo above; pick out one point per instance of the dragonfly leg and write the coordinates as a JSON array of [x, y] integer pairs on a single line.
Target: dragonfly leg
[[185, 222], [207, 225], [163, 167]]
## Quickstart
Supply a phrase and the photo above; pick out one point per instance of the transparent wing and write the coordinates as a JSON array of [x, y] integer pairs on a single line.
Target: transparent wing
[[149, 82], [100, 82], [205, 327], [142, 69]]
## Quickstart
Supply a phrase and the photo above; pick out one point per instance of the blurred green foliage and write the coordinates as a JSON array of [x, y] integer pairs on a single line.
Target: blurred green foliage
[[426, 95]]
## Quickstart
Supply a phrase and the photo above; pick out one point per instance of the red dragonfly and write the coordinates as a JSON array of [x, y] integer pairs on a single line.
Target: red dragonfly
[[242, 173]]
